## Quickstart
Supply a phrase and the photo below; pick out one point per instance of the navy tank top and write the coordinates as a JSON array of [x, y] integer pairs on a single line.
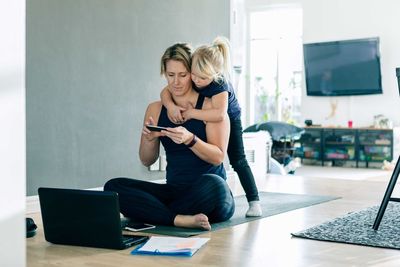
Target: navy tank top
[[183, 166]]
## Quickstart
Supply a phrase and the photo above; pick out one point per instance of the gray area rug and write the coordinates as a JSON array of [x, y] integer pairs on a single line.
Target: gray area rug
[[356, 228], [272, 204]]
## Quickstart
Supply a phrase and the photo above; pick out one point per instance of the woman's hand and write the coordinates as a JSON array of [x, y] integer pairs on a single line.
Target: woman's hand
[[150, 135], [180, 135]]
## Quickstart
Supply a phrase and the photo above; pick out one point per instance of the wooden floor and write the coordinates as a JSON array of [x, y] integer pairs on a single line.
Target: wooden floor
[[264, 242]]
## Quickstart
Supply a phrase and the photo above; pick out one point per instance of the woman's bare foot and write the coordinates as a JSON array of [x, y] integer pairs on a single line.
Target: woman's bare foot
[[192, 221]]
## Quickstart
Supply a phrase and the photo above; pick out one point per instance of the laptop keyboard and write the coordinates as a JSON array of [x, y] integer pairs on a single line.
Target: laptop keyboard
[[133, 240], [127, 239]]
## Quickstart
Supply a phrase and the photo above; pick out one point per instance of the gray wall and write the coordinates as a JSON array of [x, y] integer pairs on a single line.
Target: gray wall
[[92, 67]]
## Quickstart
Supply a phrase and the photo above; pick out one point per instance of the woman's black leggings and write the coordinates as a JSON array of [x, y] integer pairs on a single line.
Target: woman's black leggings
[[160, 203]]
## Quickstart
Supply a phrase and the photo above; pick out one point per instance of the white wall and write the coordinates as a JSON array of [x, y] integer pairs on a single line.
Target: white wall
[[12, 133], [349, 19]]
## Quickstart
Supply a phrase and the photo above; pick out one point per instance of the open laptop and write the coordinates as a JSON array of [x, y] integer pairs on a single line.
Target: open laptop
[[83, 218]]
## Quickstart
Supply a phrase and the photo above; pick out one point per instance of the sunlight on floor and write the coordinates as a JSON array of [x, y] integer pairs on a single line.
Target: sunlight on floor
[[343, 173]]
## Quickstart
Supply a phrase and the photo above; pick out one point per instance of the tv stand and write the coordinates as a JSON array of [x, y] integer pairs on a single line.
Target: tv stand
[[336, 145]]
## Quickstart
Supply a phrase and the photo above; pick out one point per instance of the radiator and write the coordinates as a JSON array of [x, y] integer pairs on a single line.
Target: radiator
[[257, 147]]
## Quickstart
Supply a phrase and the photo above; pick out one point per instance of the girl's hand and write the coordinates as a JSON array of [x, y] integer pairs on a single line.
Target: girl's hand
[[175, 114], [187, 114], [180, 135], [150, 135]]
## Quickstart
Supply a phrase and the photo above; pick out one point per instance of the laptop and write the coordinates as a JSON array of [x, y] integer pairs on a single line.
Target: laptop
[[83, 218]]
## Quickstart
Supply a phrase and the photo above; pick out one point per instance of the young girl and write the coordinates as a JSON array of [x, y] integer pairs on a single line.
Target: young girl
[[210, 75]]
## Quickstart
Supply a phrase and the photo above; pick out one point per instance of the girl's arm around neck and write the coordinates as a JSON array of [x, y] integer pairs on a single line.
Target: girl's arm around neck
[[216, 113], [174, 112], [166, 98]]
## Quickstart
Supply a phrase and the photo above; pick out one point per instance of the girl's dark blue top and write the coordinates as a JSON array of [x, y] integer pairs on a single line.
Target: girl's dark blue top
[[183, 166], [215, 88]]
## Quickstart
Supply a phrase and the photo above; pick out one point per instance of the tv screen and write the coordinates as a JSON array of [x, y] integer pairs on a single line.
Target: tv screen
[[343, 68]]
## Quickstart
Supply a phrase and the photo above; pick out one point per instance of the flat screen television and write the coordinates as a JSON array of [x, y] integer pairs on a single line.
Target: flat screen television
[[343, 68]]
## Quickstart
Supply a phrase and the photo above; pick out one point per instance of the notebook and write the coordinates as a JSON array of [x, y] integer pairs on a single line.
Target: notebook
[[83, 218], [170, 246]]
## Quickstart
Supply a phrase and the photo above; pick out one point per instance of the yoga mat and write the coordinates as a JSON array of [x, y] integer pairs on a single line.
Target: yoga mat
[[356, 228], [271, 203]]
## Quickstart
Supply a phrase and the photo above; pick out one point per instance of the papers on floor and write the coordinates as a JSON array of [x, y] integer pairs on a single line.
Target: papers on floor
[[172, 246]]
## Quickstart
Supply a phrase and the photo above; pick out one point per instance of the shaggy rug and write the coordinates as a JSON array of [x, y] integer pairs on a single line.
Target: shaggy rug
[[356, 228]]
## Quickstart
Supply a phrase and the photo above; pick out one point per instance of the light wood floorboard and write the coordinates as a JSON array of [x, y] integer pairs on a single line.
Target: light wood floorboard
[[264, 242]]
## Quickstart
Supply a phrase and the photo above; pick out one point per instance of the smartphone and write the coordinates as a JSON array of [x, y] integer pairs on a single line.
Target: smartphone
[[136, 226], [156, 128]]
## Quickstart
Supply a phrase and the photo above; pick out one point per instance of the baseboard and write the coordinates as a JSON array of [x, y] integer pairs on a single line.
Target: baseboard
[[32, 204]]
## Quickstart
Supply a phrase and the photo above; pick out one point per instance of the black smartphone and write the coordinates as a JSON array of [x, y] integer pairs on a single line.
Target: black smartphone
[[137, 226], [156, 128]]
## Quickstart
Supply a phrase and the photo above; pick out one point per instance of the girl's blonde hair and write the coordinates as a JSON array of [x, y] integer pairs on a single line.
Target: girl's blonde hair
[[180, 52], [213, 61]]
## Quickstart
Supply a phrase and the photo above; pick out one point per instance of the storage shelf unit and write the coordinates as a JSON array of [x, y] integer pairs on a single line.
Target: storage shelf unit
[[346, 144], [375, 146], [310, 145]]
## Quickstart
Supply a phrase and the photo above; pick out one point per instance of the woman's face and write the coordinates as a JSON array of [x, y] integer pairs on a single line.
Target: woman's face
[[178, 77]]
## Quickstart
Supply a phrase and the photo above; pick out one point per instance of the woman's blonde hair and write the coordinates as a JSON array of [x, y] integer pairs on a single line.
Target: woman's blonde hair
[[180, 52], [213, 61]]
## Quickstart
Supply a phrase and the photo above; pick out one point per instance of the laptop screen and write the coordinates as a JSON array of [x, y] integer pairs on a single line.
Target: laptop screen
[[81, 217]]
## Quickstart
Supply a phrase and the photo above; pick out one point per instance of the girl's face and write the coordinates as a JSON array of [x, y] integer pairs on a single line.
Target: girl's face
[[178, 78], [199, 80]]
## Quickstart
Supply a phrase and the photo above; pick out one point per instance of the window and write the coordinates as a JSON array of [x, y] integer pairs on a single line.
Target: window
[[276, 65]]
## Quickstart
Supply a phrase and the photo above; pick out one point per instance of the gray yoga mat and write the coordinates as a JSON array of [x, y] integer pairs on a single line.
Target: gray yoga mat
[[356, 228], [272, 204]]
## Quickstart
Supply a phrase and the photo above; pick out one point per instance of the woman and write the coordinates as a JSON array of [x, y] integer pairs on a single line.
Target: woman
[[196, 193]]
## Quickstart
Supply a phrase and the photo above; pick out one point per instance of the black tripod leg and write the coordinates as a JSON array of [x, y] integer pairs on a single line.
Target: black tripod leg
[[387, 195]]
